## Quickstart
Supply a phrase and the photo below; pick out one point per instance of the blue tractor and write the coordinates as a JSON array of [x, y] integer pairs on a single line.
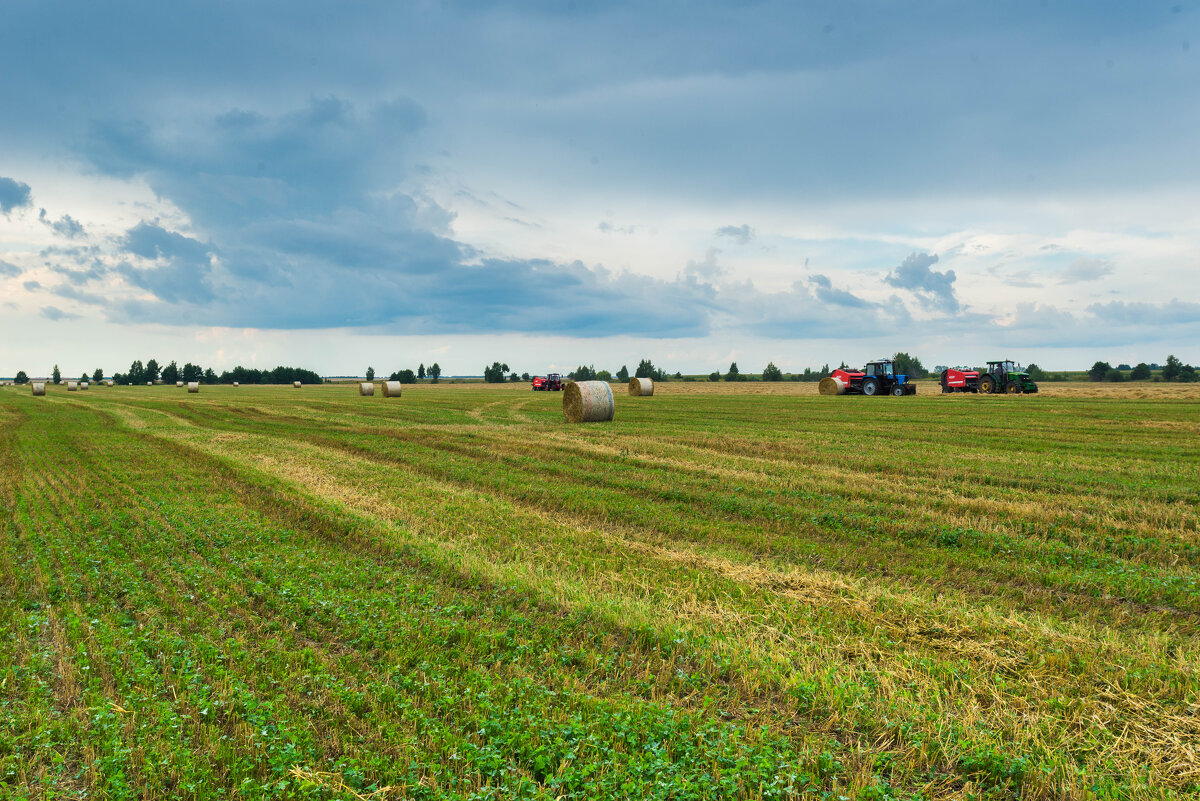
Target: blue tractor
[[877, 378]]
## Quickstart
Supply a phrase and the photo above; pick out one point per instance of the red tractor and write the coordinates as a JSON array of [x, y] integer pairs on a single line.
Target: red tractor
[[548, 383]]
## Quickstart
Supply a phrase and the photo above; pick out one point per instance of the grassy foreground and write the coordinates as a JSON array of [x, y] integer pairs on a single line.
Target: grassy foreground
[[729, 592]]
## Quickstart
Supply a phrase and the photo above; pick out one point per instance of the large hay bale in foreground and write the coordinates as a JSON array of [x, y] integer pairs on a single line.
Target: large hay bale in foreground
[[588, 402], [366, 389], [193, 386], [296, 384], [831, 386], [641, 387], [39, 387], [72, 386], [392, 389]]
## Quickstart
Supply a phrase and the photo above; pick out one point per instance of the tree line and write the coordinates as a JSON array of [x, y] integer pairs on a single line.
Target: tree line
[[1171, 370]]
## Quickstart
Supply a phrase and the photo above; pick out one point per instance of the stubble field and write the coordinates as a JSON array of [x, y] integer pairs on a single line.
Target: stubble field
[[731, 591]]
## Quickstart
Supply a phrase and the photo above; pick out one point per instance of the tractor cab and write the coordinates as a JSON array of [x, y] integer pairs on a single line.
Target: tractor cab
[[881, 368]]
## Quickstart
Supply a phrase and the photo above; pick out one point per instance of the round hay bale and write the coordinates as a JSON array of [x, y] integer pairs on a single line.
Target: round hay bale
[[831, 386], [392, 389], [180, 384], [641, 387], [193, 386], [72, 386], [236, 384], [366, 389], [588, 402], [83, 385], [296, 385], [39, 387], [149, 383], [108, 382]]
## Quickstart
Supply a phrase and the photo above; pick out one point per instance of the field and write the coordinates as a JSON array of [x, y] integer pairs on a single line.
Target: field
[[732, 591]]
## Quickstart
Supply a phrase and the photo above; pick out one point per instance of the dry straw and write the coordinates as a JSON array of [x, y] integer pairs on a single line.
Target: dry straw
[[296, 384], [366, 389], [831, 386], [72, 386], [641, 387], [391, 389], [588, 402], [39, 388], [193, 386]]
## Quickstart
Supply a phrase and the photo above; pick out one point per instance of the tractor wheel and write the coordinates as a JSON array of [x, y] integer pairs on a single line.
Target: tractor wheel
[[898, 390], [1013, 388], [870, 386], [987, 385]]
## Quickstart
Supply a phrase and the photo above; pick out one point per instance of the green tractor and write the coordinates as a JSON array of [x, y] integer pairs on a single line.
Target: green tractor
[[1005, 376]]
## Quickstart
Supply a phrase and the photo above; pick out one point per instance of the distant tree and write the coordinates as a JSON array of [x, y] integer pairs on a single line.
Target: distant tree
[[136, 374], [405, 376], [1114, 375], [1125, 367], [1141, 372], [194, 372], [623, 374], [734, 374], [1170, 370], [513, 377], [715, 375], [434, 372], [772, 373], [98, 375], [153, 371], [421, 370], [495, 373], [604, 375], [583, 373], [56, 376], [170, 373], [904, 364], [1099, 371], [677, 374], [370, 373], [1187, 374], [21, 378], [118, 378], [1036, 373], [645, 369], [210, 377], [526, 377]]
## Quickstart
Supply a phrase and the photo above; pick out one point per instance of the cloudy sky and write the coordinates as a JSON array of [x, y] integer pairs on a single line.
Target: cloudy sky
[[334, 185]]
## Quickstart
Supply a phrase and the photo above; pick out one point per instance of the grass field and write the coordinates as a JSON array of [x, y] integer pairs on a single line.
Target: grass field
[[732, 591]]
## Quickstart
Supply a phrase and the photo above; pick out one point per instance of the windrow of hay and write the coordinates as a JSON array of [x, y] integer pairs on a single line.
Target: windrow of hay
[[392, 389], [641, 387], [588, 402], [72, 386], [366, 389], [193, 386], [39, 388], [296, 385]]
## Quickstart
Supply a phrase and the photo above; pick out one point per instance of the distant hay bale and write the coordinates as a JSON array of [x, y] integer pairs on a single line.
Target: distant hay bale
[[108, 382], [236, 384], [193, 386], [366, 389], [83, 385], [588, 402], [149, 383], [72, 386], [180, 384], [392, 389], [641, 387], [39, 388], [296, 385], [831, 386]]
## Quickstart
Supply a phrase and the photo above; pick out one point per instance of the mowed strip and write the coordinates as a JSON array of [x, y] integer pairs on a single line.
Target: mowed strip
[[1059, 675]]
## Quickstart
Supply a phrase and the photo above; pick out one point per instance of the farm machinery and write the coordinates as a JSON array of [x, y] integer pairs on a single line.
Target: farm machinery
[[1004, 376], [548, 383], [877, 378]]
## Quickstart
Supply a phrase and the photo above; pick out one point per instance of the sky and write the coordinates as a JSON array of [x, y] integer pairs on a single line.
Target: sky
[[549, 184]]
